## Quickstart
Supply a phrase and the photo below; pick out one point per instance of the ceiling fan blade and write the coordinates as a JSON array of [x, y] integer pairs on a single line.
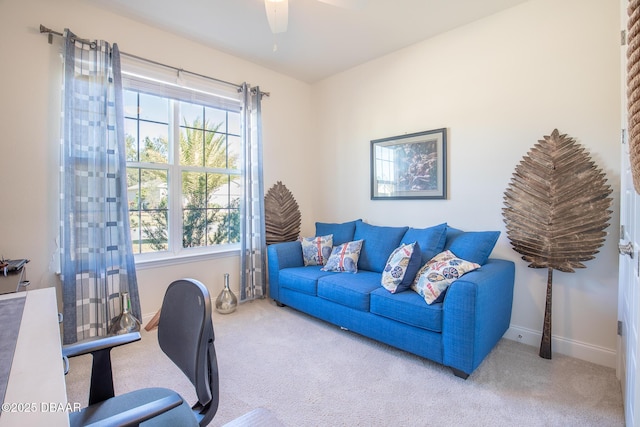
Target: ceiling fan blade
[[346, 4]]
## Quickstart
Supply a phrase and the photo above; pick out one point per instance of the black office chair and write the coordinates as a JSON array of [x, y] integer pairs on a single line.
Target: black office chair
[[185, 334]]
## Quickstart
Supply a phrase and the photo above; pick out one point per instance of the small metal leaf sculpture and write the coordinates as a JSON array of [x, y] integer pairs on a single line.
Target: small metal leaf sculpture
[[556, 211], [281, 215]]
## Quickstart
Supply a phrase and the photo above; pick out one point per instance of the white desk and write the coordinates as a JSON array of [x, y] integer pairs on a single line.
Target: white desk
[[36, 391]]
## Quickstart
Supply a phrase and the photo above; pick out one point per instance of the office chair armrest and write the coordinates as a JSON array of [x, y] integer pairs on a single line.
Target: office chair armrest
[[101, 387], [99, 343], [135, 416]]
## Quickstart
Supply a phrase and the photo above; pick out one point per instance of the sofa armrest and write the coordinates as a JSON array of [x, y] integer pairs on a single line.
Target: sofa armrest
[[279, 256], [477, 313]]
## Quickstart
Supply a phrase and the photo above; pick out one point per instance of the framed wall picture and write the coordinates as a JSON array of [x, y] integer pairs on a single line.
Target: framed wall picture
[[411, 166]]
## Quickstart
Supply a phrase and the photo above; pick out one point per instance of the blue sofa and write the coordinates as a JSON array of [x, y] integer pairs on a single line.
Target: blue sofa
[[458, 331]]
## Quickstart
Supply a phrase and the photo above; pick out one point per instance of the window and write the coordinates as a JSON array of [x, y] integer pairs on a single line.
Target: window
[[183, 168], [386, 171]]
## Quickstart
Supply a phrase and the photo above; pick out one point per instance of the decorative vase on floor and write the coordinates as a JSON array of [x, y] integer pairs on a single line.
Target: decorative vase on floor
[[226, 302], [125, 322]]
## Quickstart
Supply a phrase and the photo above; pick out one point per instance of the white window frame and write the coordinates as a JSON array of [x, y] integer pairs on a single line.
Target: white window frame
[[156, 80]]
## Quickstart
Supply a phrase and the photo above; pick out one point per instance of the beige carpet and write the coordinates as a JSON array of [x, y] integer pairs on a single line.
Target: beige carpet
[[308, 373]]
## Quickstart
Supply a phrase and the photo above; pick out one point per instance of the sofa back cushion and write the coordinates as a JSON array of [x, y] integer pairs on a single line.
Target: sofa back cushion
[[342, 232], [474, 246], [378, 243], [431, 240]]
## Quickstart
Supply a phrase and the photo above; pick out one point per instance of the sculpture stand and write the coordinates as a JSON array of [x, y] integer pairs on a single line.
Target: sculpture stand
[[153, 323]]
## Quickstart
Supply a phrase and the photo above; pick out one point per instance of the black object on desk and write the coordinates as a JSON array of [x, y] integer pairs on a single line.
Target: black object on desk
[[10, 267]]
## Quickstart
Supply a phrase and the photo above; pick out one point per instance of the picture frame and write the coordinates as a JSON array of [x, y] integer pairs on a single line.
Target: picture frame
[[411, 166]]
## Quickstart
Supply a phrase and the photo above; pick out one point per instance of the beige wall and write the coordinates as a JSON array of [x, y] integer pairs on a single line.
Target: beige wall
[[29, 117], [498, 85]]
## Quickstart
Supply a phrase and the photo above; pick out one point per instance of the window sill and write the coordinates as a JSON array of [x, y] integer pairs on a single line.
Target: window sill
[[170, 259]]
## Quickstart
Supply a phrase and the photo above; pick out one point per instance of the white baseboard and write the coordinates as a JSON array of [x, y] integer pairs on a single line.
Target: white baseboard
[[580, 350]]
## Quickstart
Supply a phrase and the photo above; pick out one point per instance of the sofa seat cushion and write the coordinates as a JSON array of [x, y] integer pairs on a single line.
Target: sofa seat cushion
[[407, 307], [302, 279], [350, 290]]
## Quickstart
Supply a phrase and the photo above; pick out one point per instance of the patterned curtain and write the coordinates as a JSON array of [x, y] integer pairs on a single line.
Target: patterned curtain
[[253, 243], [96, 255]]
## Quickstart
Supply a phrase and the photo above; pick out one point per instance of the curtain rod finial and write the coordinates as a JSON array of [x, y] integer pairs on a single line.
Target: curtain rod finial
[[44, 29]]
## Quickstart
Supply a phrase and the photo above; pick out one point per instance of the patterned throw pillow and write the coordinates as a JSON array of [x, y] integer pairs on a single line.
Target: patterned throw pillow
[[344, 258], [402, 266], [435, 276], [316, 250]]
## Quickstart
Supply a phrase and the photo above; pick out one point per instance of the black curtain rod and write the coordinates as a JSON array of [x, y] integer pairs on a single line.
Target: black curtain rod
[[51, 33]]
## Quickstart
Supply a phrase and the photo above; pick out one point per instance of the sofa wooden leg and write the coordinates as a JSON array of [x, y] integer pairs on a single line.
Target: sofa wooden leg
[[458, 373], [279, 304]]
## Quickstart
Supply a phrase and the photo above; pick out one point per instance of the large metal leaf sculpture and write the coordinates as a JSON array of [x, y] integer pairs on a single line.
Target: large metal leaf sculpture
[[281, 215], [557, 208]]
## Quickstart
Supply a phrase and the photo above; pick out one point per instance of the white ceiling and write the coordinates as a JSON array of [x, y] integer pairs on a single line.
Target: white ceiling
[[321, 39]]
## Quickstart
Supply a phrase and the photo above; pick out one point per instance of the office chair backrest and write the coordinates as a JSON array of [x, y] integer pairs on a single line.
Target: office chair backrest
[[185, 334]]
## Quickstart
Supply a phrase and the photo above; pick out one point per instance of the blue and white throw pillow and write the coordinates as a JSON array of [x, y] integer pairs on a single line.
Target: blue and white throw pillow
[[402, 266], [316, 250], [344, 258], [435, 277]]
